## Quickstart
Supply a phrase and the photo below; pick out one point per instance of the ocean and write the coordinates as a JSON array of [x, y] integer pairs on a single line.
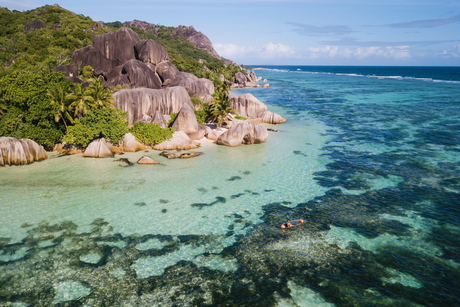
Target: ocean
[[369, 158]]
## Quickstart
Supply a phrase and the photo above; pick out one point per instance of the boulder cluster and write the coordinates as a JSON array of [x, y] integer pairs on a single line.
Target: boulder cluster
[[121, 58], [154, 89]]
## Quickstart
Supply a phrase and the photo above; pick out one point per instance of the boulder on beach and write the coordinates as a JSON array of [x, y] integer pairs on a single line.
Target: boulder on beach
[[243, 132], [186, 121], [68, 149], [213, 134], [99, 148], [179, 141], [130, 144], [146, 160], [15, 151]]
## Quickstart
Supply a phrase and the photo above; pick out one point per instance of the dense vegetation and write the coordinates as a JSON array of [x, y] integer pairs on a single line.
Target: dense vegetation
[[39, 104]]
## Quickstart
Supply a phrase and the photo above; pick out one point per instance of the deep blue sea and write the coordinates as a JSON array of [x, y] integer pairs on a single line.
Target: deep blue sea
[[369, 158]]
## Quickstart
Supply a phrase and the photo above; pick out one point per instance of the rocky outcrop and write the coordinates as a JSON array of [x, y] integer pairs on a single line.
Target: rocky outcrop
[[199, 87], [90, 56], [147, 27], [167, 72], [160, 120], [138, 102], [130, 144], [149, 51], [135, 74], [213, 134], [179, 141], [99, 148], [246, 80], [198, 39], [249, 106], [243, 132], [117, 46], [34, 25], [186, 121], [15, 151]]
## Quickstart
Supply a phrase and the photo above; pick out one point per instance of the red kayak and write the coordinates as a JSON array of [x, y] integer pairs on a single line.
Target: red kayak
[[291, 224]]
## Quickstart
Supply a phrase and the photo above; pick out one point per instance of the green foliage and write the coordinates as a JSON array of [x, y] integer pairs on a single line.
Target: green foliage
[[172, 119], [221, 106], [203, 114], [151, 133], [87, 72], [108, 123], [27, 109], [64, 33], [241, 117]]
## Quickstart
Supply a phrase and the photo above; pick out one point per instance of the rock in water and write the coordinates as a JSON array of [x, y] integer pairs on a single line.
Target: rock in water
[[249, 106], [146, 160], [243, 133], [15, 151], [98, 149]]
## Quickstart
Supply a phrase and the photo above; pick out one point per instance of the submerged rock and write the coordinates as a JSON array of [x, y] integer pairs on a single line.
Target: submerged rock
[[184, 155], [15, 151]]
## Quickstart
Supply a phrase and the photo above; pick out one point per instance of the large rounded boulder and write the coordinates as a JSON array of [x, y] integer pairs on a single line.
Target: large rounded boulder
[[141, 103], [243, 132], [179, 141], [249, 106], [186, 121], [15, 151], [98, 148]]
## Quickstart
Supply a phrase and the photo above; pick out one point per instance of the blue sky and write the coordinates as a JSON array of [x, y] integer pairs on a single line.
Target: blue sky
[[299, 32]]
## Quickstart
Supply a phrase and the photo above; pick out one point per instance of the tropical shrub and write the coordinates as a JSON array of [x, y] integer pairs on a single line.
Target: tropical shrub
[[108, 123], [151, 133]]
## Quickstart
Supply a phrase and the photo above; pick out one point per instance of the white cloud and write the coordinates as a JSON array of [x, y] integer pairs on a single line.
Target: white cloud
[[282, 53], [451, 53], [392, 52], [270, 51]]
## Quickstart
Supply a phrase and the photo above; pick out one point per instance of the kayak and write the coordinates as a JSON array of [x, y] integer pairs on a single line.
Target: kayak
[[291, 224]]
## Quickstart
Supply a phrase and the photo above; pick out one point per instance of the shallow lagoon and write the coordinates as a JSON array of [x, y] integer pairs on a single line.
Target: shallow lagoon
[[378, 192]]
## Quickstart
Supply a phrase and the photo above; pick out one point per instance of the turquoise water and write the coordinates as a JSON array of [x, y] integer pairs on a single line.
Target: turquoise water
[[369, 158]]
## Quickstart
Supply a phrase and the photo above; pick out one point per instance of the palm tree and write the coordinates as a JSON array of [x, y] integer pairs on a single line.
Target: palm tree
[[221, 106], [58, 98], [102, 95], [82, 101]]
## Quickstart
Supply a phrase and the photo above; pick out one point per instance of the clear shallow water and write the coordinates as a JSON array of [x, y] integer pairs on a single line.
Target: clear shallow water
[[370, 162]]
